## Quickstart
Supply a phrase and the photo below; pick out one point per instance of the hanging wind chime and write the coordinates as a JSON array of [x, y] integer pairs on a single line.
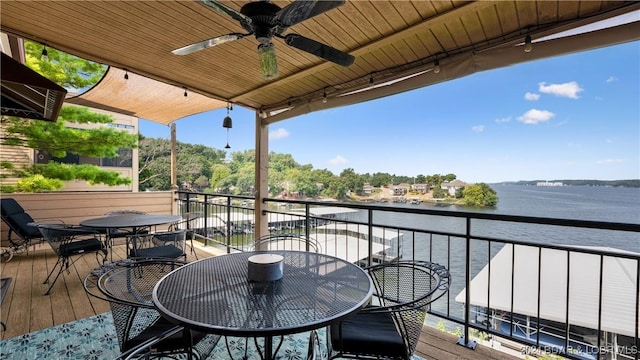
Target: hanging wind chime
[[227, 124]]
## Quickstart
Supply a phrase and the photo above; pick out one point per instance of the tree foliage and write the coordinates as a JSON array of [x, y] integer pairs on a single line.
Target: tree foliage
[[480, 194], [236, 176], [66, 70], [195, 164], [58, 139]]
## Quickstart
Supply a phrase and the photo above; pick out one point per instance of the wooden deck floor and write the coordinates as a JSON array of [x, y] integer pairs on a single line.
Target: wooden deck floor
[[25, 307]]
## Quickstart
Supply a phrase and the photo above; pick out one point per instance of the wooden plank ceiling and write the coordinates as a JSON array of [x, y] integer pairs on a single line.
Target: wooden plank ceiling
[[390, 39]]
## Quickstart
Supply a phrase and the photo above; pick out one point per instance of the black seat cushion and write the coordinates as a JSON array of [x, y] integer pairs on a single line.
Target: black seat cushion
[[20, 223], [368, 334], [164, 251], [81, 246]]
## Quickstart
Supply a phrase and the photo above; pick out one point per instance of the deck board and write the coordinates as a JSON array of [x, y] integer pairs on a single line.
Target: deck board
[[26, 309]]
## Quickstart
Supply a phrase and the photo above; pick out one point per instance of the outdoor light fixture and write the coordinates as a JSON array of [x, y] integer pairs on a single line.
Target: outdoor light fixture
[[45, 54], [185, 92], [126, 74], [436, 66], [371, 80], [227, 124], [527, 44], [268, 61], [324, 96]]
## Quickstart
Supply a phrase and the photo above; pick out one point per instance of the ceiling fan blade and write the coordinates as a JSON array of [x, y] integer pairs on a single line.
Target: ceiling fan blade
[[319, 49], [220, 7], [200, 45], [301, 10]]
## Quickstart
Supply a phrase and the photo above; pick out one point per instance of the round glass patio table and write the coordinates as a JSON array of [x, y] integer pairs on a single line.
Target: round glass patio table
[[215, 295]]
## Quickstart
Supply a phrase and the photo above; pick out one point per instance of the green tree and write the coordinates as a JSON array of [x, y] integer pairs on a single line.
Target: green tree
[[58, 139], [352, 181], [218, 174], [439, 193], [380, 179], [196, 163], [450, 177], [480, 195], [154, 164], [336, 189]]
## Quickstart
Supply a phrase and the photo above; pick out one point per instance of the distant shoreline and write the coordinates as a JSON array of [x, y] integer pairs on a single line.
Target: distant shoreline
[[632, 183]]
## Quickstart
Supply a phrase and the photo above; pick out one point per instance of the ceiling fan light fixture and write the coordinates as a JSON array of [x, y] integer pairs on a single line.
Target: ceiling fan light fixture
[[268, 61]]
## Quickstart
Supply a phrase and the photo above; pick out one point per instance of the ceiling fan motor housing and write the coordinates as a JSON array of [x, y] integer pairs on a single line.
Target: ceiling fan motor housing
[[263, 16]]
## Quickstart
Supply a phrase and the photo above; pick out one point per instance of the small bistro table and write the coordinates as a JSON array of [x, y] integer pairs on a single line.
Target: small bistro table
[[214, 295]]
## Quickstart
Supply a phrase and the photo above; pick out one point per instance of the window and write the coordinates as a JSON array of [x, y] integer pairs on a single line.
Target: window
[[124, 159]]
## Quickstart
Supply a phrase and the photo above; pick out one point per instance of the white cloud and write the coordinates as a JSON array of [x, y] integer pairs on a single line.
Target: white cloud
[[531, 96], [477, 128], [612, 79], [535, 116], [338, 160], [570, 89], [609, 161], [503, 120], [278, 133]]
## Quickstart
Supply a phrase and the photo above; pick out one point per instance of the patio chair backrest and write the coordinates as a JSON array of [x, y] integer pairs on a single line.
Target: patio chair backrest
[[190, 222], [133, 312], [128, 289], [286, 242], [406, 289], [18, 221]]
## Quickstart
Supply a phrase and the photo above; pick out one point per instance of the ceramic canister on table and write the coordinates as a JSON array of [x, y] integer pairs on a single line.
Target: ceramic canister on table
[[265, 267]]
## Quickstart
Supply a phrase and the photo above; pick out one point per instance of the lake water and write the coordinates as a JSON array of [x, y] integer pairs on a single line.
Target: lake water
[[570, 202], [608, 204]]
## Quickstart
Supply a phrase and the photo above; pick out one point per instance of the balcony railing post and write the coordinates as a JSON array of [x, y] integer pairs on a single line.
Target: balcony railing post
[[637, 331], [228, 223], [370, 236], [464, 340], [307, 219], [205, 207]]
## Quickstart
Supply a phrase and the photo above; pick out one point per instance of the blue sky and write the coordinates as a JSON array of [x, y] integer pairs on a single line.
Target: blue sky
[[571, 117]]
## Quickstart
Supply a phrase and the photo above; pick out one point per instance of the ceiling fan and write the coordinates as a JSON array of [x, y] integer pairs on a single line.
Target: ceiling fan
[[265, 21]]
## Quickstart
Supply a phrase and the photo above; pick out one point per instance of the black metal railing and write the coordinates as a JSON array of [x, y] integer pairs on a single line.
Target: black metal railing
[[567, 287]]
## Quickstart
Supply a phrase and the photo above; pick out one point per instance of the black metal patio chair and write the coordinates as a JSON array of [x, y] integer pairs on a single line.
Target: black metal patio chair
[[17, 220], [390, 327], [113, 234], [141, 331], [161, 244], [189, 223], [70, 243]]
